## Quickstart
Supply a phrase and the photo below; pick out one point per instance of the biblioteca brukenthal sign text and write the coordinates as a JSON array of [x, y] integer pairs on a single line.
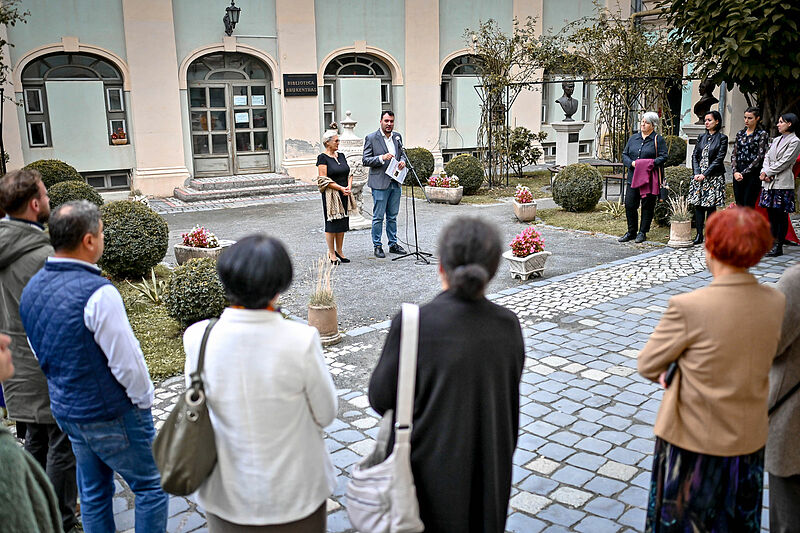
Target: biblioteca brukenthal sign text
[[300, 85]]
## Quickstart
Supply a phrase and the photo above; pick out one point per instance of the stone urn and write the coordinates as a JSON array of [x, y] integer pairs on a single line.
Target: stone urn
[[680, 234], [528, 266], [525, 212], [444, 195], [183, 253], [325, 319]]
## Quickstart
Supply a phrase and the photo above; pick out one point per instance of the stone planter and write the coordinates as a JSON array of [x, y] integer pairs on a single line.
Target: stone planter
[[525, 212], [444, 195], [324, 318], [119, 141], [184, 253], [680, 234], [525, 267]]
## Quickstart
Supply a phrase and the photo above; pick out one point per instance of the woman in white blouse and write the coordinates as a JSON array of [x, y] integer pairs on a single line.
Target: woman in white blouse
[[269, 395]]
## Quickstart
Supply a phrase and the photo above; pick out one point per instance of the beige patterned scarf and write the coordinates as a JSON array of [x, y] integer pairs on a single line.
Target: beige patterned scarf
[[333, 200]]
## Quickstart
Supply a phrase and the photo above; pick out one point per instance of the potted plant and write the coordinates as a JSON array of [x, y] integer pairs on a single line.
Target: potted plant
[[199, 243], [444, 189], [524, 204], [321, 303], [680, 222], [119, 137], [527, 255]]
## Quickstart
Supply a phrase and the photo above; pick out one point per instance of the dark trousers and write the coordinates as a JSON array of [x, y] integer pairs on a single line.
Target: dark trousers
[[784, 504], [701, 214], [51, 448], [778, 224], [746, 191], [632, 200]]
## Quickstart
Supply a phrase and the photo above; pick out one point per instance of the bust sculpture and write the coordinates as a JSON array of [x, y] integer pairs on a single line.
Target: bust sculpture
[[567, 102], [707, 99]]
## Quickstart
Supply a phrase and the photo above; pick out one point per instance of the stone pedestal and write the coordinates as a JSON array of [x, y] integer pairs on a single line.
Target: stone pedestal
[[352, 146], [692, 131], [567, 140]]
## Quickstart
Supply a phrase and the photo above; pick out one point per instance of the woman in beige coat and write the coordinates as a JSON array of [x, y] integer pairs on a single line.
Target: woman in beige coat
[[708, 469]]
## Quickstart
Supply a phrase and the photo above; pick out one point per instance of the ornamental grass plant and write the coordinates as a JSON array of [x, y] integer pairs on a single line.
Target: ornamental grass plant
[[322, 283]]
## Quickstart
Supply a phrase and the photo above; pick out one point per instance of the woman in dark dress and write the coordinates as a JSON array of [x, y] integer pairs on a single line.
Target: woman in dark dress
[[747, 157], [466, 401], [333, 164], [707, 189]]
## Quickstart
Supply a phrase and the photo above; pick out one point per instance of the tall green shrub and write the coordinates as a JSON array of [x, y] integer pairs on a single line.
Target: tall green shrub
[[469, 172], [67, 191], [676, 150], [195, 292], [54, 171], [136, 239], [422, 161], [578, 187]]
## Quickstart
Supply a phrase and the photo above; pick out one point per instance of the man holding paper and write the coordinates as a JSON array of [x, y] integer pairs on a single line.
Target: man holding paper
[[382, 154]]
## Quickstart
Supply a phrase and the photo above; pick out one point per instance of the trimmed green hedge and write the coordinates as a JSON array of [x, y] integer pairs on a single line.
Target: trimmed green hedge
[[676, 151], [67, 191], [54, 171], [136, 239], [578, 187], [469, 171], [422, 161], [195, 292]]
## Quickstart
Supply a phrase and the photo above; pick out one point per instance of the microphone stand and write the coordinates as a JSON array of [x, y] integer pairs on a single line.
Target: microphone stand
[[420, 256]]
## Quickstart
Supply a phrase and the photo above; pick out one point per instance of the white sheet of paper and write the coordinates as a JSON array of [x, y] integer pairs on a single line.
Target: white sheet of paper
[[397, 174], [240, 99], [258, 99]]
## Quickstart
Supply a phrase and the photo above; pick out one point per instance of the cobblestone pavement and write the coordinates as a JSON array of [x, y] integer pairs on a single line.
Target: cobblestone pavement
[[584, 452]]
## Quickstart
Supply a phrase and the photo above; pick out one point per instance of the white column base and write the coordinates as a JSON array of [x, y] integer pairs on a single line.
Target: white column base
[[566, 148], [302, 168], [692, 131], [159, 181]]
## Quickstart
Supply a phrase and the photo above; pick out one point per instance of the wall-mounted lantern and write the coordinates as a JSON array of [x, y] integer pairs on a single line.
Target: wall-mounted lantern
[[231, 17]]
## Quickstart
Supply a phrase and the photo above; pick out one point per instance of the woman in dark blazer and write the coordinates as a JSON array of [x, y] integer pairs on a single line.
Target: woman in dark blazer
[[466, 402], [707, 189], [645, 144]]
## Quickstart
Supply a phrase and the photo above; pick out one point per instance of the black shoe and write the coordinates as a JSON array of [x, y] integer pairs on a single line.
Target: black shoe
[[342, 259], [379, 252], [776, 251], [640, 237], [698, 240], [627, 237], [397, 249]]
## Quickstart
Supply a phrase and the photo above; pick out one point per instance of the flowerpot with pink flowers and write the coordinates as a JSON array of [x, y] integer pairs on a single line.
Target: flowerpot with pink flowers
[[524, 204], [199, 243], [527, 255], [444, 189]]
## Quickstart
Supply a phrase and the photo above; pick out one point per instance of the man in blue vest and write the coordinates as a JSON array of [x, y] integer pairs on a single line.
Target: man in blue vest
[[100, 389]]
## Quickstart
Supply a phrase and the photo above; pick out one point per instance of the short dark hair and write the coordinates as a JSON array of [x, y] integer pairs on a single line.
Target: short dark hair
[[756, 111], [792, 119], [387, 112], [469, 252], [17, 188], [71, 222], [717, 117], [254, 270]]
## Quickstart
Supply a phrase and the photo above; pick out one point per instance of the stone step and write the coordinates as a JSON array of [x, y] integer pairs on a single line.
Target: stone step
[[242, 180], [190, 194]]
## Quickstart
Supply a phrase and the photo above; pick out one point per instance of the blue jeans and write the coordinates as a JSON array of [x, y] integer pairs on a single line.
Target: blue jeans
[[122, 445], [385, 202]]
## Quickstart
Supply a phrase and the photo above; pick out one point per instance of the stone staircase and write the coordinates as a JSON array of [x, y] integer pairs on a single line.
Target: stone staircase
[[243, 185]]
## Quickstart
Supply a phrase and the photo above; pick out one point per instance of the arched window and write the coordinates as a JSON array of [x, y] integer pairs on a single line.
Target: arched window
[[69, 67], [465, 66], [354, 66]]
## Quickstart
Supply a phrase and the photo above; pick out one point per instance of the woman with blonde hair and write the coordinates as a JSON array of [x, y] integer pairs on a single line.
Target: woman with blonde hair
[[335, 182]]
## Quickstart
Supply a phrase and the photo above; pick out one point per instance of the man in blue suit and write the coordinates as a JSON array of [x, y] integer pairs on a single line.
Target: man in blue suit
[[380, 148]]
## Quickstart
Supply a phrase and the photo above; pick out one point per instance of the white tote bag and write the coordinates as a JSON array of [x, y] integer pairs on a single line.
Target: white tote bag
[[381, 496]]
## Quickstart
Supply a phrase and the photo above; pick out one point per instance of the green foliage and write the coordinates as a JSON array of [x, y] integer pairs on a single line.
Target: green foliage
[[66, 191], [194, 291], [422, 161], [54, 171], [518, 146], [578, 187], [678, 179], [9, 16], [676, 150], [469, 172], [136, 239]]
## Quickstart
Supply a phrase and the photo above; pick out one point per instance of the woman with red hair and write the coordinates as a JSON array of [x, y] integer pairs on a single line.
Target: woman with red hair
[[711, 428]]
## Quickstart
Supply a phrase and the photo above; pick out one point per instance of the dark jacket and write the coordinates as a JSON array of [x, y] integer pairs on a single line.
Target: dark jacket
[[718, 147], [466, 410], [638, 147], [374, 148], [23, 250]]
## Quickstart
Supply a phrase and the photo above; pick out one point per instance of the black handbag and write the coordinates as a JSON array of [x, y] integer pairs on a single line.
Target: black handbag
[[663, 186], [184, 448]]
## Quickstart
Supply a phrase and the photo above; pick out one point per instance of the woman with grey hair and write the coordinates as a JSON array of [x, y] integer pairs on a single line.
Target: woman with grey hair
[[334, 182], [648, 149]]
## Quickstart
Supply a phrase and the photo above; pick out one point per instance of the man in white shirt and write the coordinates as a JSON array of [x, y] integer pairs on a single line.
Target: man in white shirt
[[100, 388]]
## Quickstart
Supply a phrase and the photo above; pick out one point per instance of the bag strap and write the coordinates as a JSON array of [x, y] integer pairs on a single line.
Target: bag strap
[[197, 380], [659, 170], [407, 373], [783, 399]]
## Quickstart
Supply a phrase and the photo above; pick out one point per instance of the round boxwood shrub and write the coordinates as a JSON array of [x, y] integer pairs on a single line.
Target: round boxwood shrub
[[676, 151], [469, 172], [194, 291], [54, 171], [66, 191], [136, 239], [422, 161], [678, 179], [578, 187]]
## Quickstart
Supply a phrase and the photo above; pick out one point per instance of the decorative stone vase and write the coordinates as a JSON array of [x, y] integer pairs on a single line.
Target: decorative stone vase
[[680, 234], [119, 141], [183, 253], [324, 318], [444, 195], [525, 212], [525, 267]]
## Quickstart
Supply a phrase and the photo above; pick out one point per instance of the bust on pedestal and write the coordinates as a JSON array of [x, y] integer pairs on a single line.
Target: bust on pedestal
[[568, 130], [352, 147]]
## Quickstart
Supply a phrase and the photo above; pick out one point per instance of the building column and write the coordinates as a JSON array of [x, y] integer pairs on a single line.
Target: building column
[[297, 54], [155, 111], [421, 77], [13, 136], [527, 108]]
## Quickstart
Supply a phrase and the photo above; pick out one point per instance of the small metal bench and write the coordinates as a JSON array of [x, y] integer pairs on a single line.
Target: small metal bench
[[620, 178]]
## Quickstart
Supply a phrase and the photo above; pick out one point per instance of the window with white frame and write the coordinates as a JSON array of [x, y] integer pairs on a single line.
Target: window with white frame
[[546, 102], [444, 120], [329, 103], [466, 66], [354, 66], [586, 95]]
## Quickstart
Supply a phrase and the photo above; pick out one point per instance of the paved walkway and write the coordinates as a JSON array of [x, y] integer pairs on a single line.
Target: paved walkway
[[585, 444]]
